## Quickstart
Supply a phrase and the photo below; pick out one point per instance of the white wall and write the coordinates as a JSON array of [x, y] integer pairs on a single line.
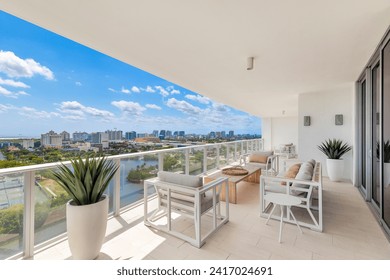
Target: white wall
[[322, 107], [281, 130], [266, 132]]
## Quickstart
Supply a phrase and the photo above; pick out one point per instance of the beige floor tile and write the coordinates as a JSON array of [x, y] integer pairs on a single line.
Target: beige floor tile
[[350, 232]]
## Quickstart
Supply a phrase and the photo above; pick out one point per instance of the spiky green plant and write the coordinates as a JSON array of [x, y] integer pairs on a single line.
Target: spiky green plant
[[88, 180], [334, 149], [386, 151]]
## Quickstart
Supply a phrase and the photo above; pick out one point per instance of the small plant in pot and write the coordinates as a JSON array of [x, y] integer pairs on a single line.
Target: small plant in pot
[[87, 211], [334, 149]]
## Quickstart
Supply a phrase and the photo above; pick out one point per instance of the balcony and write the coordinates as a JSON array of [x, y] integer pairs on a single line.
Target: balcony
[[350, 229], [32, 206]]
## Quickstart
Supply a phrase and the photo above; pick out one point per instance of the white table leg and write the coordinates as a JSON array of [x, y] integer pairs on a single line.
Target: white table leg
[[289, 209], [281, 224], [270, 214]]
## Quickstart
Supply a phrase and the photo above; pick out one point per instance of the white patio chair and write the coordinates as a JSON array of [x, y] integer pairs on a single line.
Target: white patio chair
[[266, 160], [186, 195]]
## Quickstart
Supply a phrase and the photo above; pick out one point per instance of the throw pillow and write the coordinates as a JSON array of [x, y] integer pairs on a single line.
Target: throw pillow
[[258, 158], [292, 172]]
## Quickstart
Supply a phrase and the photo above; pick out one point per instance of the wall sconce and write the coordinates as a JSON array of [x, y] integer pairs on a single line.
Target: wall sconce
[[306, 120], [249, 63], [338, 119]]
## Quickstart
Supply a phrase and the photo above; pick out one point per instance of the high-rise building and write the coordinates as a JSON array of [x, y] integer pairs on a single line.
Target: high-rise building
[[51, 140], [182, 133], [231, 134], [114, 135], [65, 136], [80, 136], [28, 143], [168, 133], [212, 135], [223, 134], [131, 135], [155, 133], [100, 138], [162, 134]]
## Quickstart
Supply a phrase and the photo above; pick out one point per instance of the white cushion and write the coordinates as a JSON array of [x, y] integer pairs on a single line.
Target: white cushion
[[180, 179]]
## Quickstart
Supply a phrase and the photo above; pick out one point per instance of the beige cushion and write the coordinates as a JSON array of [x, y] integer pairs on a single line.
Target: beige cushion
[[312, 162], [292, 172], [260, 157], [305, 173], [180, 179]]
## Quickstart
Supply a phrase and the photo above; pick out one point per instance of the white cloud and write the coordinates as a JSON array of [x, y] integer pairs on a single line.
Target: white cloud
[[75, 108], [162, 91], [78, 84], [198, 98], [34, 113], [16, 67], [111, 89], [125, 90], [149, 89], [172, 90], [220, 107], [153, 106], [13, 83], [175, 91], [5, 92], [129, 107], [4, 108], [135, 89], [183, 106]]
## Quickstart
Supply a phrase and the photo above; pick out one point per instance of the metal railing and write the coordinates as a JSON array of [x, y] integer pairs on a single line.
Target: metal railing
[[32, 206]]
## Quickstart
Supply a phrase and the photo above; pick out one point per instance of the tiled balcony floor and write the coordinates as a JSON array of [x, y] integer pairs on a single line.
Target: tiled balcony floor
[[350, 232]]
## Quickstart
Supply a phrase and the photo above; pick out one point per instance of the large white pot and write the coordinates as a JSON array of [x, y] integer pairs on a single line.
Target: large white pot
[[335, 168], [386, 174], [86, 226]]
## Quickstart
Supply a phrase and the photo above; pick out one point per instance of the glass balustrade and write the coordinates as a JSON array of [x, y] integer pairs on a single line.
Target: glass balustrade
[[49, 203]]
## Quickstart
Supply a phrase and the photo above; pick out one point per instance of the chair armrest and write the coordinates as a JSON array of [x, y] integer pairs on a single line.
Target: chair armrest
[[214, 184], [275, 179]]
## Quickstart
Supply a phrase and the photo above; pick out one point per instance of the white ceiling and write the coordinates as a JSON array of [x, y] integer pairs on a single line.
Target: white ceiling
[[299, 46]]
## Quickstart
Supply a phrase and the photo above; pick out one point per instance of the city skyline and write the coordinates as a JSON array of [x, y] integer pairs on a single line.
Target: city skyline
[[49, 82]]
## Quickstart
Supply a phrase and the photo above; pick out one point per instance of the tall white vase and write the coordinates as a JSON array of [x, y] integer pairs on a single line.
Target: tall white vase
[[86, 226], [386, 174], [335, 168]]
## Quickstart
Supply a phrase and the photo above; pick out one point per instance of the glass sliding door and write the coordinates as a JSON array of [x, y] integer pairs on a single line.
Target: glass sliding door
[[363, 133], [376, 132], [385, 149]]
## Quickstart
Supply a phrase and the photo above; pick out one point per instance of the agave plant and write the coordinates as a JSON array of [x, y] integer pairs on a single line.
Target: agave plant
[[386, 151], [334, 149], [88, 180]]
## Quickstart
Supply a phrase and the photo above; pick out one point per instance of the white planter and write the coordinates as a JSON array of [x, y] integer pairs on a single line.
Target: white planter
[[335, 168], [386, 174], [86, 226]]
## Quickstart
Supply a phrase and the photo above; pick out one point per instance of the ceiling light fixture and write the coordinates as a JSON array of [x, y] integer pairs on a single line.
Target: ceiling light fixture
[[250, 63]]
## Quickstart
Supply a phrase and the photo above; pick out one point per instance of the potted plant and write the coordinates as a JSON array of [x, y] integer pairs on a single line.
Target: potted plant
[[86, 212], [334, 150]]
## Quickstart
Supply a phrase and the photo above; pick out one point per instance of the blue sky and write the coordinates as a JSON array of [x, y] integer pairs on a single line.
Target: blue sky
[[48, 82]]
